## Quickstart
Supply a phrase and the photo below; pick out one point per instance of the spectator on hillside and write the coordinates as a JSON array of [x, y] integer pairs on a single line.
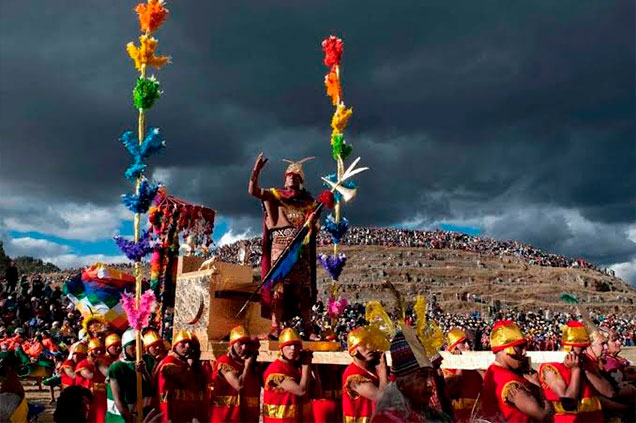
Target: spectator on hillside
[[11, 276]]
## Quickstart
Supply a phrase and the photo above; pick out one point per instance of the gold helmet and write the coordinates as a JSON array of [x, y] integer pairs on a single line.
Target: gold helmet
[[112, 339], [238, 334], [575, 335], [79, 348], [356, 337], [150, 338], [505, 336], [288, 337], [454, 338], [182, 335], [94, 344]]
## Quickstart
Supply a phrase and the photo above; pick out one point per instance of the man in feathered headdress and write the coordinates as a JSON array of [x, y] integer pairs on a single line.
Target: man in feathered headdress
[[412, 397], [285, 212]]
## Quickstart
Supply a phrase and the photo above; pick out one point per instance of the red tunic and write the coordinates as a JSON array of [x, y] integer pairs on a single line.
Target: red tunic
[[280, 406], [67, 380], [589, 405], [497, 383], [226, 403], [97, 385], [470, 387], [180, 399], [356, 408]]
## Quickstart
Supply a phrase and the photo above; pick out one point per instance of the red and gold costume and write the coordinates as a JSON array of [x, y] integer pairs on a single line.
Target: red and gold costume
[[499, 381], [180, 399], [588, 408], [77, 348], [297, 291], [280, 406], [470, 385], [226, 403], [97, 384], [356, 408]]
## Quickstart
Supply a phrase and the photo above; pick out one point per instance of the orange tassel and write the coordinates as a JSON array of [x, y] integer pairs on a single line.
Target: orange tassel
[[151, 15], [145, 53], [334, 89]]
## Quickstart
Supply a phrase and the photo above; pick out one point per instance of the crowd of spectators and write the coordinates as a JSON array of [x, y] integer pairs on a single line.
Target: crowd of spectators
[[541, 327], [33, 307], [438, 239]]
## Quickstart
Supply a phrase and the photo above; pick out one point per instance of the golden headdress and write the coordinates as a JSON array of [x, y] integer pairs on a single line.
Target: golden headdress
[[289, 336], [182, 335], [79, 348], [454, 338], [505, 335], [94, 344], [297, 166], [575, 335], [150, 338], [112, 339], [238, 334], [356, 337]]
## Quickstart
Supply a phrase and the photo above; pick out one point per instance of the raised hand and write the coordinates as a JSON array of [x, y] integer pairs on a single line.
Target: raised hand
[[260, 162]]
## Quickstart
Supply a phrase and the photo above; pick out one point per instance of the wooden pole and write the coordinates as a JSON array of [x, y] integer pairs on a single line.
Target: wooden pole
[[141, 128]]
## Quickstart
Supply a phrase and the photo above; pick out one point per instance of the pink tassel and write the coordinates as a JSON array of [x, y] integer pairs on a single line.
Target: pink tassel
[[138, 318], [336, 307]]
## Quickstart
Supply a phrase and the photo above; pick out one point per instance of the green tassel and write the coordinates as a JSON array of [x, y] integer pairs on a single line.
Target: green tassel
[[146, 92], [339, 147]]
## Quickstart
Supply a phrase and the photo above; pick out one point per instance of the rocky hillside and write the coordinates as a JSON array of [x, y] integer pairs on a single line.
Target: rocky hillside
[[464, 280]]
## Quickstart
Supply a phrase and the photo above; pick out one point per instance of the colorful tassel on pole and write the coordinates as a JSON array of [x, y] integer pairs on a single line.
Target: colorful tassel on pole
[[138, 317], [151, 15], [145, 53]]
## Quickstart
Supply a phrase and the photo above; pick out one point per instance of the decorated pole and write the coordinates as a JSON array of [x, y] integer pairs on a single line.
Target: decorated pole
[[336, 224], [141, 146]]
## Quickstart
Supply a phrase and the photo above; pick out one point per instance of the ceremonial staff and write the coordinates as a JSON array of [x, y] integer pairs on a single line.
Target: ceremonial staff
[[141, 146]]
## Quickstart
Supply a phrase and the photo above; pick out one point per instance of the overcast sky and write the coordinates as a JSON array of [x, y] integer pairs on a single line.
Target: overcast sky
[[515, 119]]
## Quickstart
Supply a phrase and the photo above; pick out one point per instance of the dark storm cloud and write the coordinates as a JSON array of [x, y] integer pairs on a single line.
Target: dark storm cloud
[[463, 110]]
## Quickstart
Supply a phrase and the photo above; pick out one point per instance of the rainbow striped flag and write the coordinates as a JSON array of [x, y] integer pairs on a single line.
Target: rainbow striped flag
[[97, 290]]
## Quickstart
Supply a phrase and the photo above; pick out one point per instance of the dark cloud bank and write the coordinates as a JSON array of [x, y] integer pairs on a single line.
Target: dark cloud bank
[[518, 118]]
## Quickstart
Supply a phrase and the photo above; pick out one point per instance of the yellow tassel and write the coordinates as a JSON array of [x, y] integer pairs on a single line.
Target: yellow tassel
[[430, 334], [340, 118], [377, 316], [145, 53]]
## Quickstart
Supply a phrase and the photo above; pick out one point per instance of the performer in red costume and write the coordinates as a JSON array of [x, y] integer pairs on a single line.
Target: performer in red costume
[[67, 369], [285, 212], [235, 383], [463, 386], [91, 373], [363, 380], [565, 385], [287, 382], [181, 399], [508, 395]]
